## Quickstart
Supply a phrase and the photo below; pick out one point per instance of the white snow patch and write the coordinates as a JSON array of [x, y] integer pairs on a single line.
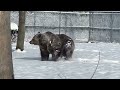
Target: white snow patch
[[96, 60], [110, 61], [95, 50], [102, 72], [89, 42], [79, 50], [87, 60], [76, 50], [86, 50], [35, 48], [82, 40], [19, 51], [86, 56], [14, 26]]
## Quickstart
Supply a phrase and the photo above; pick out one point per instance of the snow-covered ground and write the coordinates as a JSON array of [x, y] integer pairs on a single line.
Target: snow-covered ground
[[27, 64]]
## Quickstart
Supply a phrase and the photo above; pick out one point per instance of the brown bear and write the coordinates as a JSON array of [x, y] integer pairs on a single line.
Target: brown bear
[[49, 43], [68, 46]]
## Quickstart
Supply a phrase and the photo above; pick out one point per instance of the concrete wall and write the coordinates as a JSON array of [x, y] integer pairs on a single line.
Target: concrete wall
[[105, 27], [80, 26], [46, 21]]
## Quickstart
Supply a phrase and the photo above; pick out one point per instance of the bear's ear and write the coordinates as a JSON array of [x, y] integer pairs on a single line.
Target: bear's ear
[[39, 35], [38, 32]]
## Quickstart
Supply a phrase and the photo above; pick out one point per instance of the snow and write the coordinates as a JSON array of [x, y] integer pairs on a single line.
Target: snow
[[14, 26], [66, 12], [18, 50], [27, 63]]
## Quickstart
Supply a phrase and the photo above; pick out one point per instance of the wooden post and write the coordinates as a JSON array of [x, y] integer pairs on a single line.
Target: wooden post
[[6, 65]]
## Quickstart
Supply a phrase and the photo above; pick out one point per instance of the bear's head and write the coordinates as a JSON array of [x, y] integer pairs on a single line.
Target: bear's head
[[35, 39]]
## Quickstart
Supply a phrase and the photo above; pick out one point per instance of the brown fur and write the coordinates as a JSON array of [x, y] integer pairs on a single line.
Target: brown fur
[[49, 43], [68, 46]]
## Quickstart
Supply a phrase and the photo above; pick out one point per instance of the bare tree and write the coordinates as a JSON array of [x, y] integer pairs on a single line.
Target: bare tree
[[6, 65], [21, 31]]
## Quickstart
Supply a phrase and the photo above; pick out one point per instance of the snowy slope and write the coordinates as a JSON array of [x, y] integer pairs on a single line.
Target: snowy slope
[[27, 64]]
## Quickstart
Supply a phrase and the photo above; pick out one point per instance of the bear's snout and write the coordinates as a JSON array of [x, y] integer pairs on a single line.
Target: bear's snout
[[30, 42]]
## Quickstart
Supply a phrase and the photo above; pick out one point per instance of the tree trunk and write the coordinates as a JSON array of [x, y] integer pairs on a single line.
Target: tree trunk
[[6, 65], [21, 31]]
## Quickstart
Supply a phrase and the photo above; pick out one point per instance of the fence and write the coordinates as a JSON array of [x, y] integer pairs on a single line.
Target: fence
[[81, 26], [104, 26]]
